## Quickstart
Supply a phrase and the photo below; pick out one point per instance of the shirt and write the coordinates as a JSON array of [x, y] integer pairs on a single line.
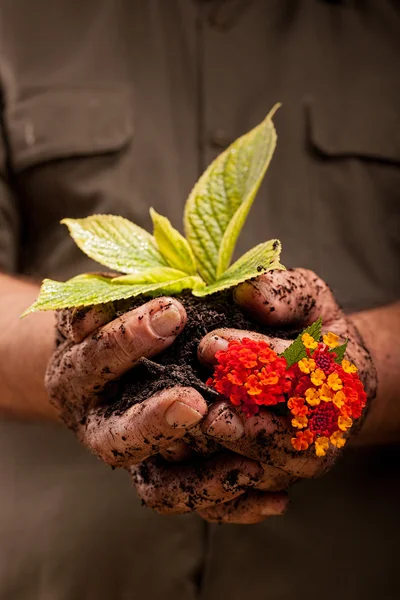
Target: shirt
[[110, 107]]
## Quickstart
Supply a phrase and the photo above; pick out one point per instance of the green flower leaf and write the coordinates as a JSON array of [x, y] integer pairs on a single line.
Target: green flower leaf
[[172, 245], [315, 330], [219, 203], [116, 243], [297, 350], [340, 352], [255, 262], [91, 289]]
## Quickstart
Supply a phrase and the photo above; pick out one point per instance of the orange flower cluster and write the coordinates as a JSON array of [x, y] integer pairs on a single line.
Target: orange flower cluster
[[250, 374], [325, 397]]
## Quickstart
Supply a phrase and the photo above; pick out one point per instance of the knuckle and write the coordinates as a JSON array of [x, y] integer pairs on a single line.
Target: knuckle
[[123, 342]]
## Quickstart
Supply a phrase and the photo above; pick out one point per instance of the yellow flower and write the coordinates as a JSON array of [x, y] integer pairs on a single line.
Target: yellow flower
[[312, 397], [348, 367], [338, 399], [309, 341], [331, 340], [300, 421], [321, 446], [337, 439], [326, 393], [318, 377], [344, 423], [306, 365], [334, 382]]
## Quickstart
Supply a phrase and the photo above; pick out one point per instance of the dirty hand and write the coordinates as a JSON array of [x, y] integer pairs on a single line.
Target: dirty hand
[[224, 488], [291, 299], [96, 349]]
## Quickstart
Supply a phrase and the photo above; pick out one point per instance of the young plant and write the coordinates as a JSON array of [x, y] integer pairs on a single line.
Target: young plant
[[318, 388], [166, 262]]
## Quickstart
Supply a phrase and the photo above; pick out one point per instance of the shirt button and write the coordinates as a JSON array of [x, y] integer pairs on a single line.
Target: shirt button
[[219, 139]]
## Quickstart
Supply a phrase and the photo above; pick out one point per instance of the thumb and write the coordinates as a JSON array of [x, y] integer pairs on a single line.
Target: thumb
[[283, 298]]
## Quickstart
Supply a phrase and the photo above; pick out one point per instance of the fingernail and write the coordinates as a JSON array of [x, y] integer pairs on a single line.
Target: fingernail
[[167, 321], [182, 415]]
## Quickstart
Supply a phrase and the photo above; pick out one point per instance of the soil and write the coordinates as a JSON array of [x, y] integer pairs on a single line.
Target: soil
[[179, 365]]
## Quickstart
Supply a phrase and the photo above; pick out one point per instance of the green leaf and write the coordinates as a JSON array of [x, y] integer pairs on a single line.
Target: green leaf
[[297, 350], [91, 289], [255, 262], [218, 205], [340, 352], [116, 243], [156, 275], [315, 330], [172, 245]]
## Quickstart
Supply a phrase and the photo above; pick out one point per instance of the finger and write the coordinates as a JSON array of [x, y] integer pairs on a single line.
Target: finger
[[114, 349], [201, 444], [178, 489], [267, 438], [177, 452], [293, 297], [223, 422], [275, 479], [144, 429], [248, 509], [76, 323], [219, 339]]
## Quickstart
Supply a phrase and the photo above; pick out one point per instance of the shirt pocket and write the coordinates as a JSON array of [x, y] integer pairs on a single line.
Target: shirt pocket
[[70, 154], [65, 124], [354, 175]]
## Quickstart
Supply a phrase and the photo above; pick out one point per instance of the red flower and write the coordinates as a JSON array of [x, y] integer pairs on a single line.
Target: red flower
[[323, 419], [323, 397], [250, 374]]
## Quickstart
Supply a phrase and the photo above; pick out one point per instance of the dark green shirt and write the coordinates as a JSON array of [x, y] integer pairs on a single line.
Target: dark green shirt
[[115, 106]]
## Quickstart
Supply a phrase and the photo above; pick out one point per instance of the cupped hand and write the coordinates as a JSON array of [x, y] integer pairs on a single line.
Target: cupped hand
[[94, 350], [224, 488], [290, 299]]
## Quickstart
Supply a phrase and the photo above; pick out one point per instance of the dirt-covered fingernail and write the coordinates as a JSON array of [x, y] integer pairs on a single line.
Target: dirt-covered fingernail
[[167, 321], [180, 414], [208, 347]]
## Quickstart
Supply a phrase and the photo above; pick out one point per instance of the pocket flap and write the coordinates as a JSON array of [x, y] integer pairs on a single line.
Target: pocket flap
[[68, 123], [342, 128]]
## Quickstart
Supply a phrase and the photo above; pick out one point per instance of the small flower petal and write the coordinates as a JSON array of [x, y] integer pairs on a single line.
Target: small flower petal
[[337, 439], [309, 341], [348, 367], [321, 446], [331, 340], [318, 377], [345, 423]]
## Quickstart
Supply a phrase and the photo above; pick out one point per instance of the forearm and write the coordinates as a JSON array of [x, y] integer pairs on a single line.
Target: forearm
[[380, 330], [25, 348]]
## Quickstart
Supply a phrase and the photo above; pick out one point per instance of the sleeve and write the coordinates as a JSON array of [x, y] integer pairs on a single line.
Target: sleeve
[[9, 218]]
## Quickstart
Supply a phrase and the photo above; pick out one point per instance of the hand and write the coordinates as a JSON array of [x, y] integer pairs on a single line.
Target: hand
[[219, 488], [93, 351], [281, 299]]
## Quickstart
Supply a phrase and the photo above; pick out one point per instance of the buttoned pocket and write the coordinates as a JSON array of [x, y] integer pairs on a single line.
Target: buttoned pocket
[[340, 128], [70, 153], [354, 177], [68, 123]]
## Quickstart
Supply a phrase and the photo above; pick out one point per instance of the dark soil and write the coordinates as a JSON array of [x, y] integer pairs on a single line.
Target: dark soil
[[179, 365]]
